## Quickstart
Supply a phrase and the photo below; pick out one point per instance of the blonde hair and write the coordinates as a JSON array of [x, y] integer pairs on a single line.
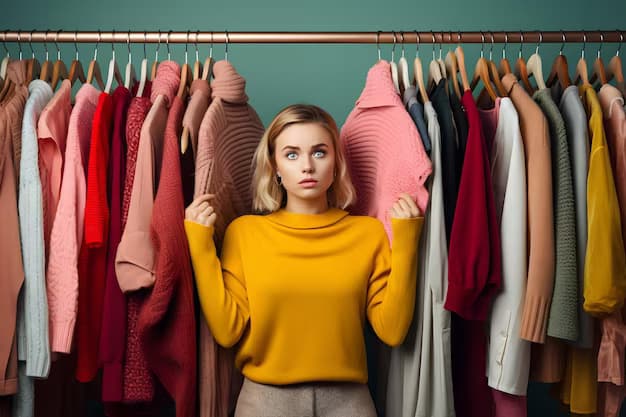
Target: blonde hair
[[267, 194]]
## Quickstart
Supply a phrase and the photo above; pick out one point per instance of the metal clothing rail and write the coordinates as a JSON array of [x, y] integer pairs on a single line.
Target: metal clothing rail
[[193, 37]]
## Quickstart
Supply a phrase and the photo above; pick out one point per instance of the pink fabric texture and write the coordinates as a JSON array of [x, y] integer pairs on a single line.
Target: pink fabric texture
[[383, 148], [52, 135], [67, 229], [507, 405]]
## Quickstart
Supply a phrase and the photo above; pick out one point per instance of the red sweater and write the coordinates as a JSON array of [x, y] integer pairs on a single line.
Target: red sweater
[[474, 264], [167, 327], [92, 263]]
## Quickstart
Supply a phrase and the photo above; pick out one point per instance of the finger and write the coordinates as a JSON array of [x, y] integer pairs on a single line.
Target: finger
[[211, 219], [413, 208], [393, 212], [200, 199], [404, 206]]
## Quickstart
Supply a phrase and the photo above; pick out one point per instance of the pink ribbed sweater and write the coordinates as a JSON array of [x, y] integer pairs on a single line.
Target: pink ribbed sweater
[[383, 149], [67, 229], [228, 137]]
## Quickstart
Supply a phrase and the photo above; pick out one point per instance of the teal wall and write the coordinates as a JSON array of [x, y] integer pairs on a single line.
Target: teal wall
[[331, 76]]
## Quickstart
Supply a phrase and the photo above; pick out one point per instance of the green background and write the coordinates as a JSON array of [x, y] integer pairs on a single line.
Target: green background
[[330, 76]]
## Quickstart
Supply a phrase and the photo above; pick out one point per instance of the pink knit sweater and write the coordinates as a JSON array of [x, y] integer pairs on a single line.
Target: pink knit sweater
[[67, 229], [383, 149]]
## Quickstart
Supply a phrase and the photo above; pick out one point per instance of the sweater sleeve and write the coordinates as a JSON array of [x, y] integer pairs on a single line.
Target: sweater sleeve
[[605, 264], [221, 284], [391, 288]]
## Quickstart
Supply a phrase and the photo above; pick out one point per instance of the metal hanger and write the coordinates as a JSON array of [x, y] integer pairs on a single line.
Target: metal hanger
[[418, 75], [94, 68], [76, 68], [394, 66], [143, 76]]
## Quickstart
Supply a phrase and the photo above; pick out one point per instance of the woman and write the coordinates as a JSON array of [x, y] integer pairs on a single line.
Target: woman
[[292, 288]]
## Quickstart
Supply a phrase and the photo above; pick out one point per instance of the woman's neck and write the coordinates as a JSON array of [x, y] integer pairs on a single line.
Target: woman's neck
[[307, 206]]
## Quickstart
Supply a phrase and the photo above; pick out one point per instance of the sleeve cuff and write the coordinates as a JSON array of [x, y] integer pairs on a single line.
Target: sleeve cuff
[[134, 263], [466, 302], [61, 336], [535, 319]]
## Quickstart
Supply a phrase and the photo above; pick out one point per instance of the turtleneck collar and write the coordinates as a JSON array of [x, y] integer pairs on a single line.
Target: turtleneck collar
[[228, 85], [379, 90], [307, 221]]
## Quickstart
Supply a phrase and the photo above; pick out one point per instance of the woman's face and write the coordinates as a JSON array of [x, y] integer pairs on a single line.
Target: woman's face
[[305, 160]]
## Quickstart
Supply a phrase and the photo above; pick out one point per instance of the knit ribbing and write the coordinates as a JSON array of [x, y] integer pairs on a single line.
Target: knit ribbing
[[229, 134], [563, 318], [166, 81], [33, 344], [383, 148]]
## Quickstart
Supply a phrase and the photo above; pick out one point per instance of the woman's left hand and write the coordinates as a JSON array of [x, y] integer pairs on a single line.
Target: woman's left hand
[[404, 208]]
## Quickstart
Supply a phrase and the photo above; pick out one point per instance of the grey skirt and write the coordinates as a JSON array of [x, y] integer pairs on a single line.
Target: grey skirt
[[327, 399]]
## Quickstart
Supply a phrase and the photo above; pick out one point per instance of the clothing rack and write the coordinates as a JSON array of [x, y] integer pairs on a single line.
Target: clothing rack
[[195, 37]]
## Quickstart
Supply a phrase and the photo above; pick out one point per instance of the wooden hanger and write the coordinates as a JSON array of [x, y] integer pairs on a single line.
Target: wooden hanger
[[615, 68], [434, 69], [493, 71], [45, 74], [5, 61], [481, 73], [534, 66], [460, 59], [33, 68], [418, 74], [113, 72], [581, 66], [129, 74], [521, 72], [505, 65], [403, 69], [76, 68], [560, 70], [452, 69], [599, 73], [59, 70], [197, 66], [93, 71], [186, 77]]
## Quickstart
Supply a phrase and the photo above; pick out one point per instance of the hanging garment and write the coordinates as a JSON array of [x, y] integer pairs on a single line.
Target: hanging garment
[[605, 262], [508, 359], [416, 110], [451, 158], [138, 382], [113, 334], [200, 97], [67, 230], [227, 139], [52, 135], [578, 141], [563, 317], [33, 339], [380, 122], [92, 257], [420, 374], [460, 123], [11, 113], [540, 282], [167, 325], [613, 344], [249, 295], [474, 269], [12, 276]]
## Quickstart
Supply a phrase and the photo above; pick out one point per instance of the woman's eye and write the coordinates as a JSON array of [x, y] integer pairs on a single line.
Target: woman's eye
[[319, 154], [292, 155]]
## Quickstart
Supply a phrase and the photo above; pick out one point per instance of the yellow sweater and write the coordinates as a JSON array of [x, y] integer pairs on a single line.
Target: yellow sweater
[[294, 290]]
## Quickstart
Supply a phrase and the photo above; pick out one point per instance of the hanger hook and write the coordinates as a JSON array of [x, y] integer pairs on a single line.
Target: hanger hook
[[95, 51], [19, 44], [113, 44], [539, 43], [211, 47], [156, 53], [601, 42], [4, 45], [440, 46], [226, 49], [196, 45], [167, 44], [521, 44], [378, 43], [45, 44], [562, 43], [402, 38], [76, 45], [393, 49], [417, 44], [30, 43], [582, 53], [482, 44], [621, 40], [130, 58], [145, 38], [56, 45], [434, 42], [458, 37], [491, 48], [186, 45], [506, 42]]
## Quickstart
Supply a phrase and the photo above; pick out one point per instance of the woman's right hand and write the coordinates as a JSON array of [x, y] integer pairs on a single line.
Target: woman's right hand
[[200, 211]]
